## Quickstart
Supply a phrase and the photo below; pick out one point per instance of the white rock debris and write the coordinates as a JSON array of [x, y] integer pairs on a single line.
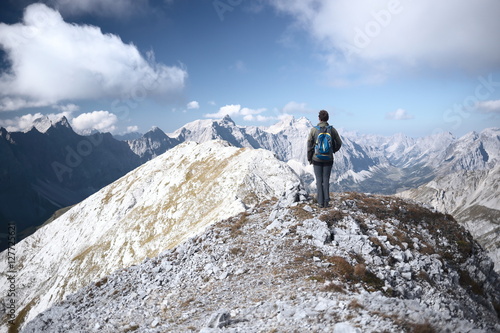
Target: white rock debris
[[367, 264]]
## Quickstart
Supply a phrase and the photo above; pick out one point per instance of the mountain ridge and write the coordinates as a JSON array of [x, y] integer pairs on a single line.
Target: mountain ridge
[[154, 207], [368, 263]]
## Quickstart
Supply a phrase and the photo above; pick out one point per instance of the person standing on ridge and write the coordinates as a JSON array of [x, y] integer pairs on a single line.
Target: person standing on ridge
[[323, 141]]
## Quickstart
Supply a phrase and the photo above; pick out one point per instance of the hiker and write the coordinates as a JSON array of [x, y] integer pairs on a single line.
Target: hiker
[[322, 143]]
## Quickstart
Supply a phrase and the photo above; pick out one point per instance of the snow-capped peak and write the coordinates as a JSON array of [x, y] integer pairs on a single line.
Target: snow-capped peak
[[228, 120], [44, 123], [289, 122], [155, 132]]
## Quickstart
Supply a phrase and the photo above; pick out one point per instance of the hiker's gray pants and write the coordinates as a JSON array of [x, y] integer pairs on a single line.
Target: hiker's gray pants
[[322, 174]]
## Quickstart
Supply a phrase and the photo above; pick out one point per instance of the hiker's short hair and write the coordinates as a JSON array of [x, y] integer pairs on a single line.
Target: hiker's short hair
[[323, 115]]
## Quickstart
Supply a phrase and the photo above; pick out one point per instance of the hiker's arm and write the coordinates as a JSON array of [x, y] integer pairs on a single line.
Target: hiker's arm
[[310, 146], [338, 141]]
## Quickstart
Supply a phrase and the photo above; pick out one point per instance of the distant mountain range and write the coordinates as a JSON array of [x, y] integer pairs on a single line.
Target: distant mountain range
[[50, 166]]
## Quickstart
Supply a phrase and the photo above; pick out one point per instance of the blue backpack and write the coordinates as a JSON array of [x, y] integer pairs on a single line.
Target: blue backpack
[[324, 143]]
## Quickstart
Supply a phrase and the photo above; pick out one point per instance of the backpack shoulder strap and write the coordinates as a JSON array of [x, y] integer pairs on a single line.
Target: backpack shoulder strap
[[330, 129]]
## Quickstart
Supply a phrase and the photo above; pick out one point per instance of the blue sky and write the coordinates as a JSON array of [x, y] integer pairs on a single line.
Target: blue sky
[[378, 67]]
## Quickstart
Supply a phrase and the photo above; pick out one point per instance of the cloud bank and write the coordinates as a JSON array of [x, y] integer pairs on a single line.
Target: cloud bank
[[386, 35], [489, 107], [102, 121], [236, 110], [53, 61]]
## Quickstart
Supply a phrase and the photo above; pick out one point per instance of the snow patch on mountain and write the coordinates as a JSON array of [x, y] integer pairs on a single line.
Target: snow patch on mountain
[[154, 207]]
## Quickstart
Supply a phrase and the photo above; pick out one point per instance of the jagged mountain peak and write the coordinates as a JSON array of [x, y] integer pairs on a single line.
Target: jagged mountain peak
[[155, 131], [44, 123], [369, 263], [152, 208], [63, 121], [6, 135], [228, 120]]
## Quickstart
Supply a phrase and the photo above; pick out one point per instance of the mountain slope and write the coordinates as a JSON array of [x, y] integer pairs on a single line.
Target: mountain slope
[[373, 264], [152, 208], [473, 198]]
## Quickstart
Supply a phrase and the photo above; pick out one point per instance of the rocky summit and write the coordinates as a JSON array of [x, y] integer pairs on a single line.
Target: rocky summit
[[365, 264]]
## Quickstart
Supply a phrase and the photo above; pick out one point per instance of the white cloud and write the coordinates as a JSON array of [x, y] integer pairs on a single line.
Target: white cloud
[[193, 105], [101, 121], [399, 114], [230, 110], [236, 110], [373, 36], [490, 107], [53, 61], [131, 129], [105, 8], [259, 118], [25, 122], [22, 123], [70, 108], [11, 103]]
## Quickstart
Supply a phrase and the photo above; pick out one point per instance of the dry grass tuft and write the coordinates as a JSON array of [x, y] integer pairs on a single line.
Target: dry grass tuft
[[354, 304], [419, 328], [101, 282], [332, 217], [300, 213]]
